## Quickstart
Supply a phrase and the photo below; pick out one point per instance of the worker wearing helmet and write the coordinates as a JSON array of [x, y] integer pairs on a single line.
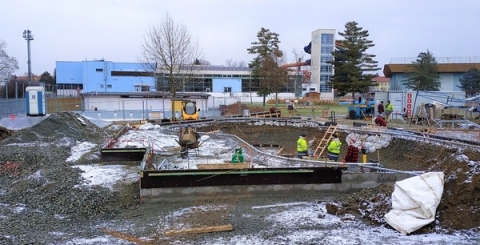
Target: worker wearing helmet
[[302, 146], [333, 149]]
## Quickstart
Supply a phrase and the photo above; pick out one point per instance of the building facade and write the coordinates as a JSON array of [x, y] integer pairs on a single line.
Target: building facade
[[383, 84], [450, 71], [230, 83], [323, 44], [103, 76]]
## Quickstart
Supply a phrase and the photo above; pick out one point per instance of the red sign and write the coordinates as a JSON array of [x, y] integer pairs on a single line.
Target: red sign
[[409, 96], [409, 101]]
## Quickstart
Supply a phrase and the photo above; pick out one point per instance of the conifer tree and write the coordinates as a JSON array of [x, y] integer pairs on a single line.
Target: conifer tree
[[266, 71], [423, 74], [470, 82], [354, 68]]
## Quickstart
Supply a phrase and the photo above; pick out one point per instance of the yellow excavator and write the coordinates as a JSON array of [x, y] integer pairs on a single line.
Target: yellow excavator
[[188, 109]]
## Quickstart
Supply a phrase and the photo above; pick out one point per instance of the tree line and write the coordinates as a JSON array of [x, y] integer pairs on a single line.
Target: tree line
[[170, 50]]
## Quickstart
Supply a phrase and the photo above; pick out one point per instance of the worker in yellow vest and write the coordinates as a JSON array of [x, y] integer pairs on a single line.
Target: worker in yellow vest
[[333, 149], [388, 111], [302, 146]]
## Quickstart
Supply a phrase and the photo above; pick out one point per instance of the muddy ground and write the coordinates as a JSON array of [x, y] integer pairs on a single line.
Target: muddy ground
[[459, 207]]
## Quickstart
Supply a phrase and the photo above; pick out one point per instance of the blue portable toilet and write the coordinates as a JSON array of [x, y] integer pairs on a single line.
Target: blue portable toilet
[[35, 101]]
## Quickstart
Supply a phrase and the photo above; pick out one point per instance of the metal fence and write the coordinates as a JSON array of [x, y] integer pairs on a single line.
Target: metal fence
[[12, 107]]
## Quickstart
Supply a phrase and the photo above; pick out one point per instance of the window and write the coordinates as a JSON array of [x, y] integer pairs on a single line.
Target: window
[[132, 73], [327, 50], [109, 86], [325, 78], [326, 69], [142, 88], [99, 69], [327, 38], [101, 86], [190, 108], [227, 89], [326, 58], [325, 88]]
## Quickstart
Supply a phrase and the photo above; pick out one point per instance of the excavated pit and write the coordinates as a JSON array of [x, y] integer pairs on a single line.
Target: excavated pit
[[459, 206]]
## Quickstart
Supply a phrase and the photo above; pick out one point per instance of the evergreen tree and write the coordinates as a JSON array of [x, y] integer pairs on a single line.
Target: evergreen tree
[[354, 68], [48, 80], [423, 75], [470, 82], [265, 68]]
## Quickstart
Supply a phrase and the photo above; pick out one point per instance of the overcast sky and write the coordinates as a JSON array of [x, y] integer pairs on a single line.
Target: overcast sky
[[75, 30]]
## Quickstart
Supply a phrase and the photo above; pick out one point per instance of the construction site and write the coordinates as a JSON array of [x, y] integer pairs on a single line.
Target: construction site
[[223, 197]]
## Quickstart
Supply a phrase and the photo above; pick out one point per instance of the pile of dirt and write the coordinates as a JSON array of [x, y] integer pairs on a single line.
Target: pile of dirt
[[4, 133], [40, 191], [238, 108]]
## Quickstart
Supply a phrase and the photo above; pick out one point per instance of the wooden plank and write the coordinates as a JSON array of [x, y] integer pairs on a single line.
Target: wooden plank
[[208, 229], [126, 237], [222, 165], [280, 151]]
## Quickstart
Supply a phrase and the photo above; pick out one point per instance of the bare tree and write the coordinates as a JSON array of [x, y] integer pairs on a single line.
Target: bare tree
[[232, 63], [299, 56], [170, 50], [8, 65]]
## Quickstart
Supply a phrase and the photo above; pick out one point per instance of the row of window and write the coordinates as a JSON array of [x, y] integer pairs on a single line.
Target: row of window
[[150, 74], [205, 85]]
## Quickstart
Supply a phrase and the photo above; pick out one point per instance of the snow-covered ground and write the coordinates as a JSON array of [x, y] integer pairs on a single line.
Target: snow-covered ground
[[329, 229]]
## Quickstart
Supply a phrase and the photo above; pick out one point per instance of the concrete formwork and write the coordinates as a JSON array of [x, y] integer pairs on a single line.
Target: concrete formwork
[[351, 182]]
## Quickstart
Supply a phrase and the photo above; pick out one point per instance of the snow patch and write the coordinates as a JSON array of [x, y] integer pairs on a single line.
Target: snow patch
[[79, 150]]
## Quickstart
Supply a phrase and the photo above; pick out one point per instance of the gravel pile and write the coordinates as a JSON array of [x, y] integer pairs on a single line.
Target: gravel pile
[[41, 199]]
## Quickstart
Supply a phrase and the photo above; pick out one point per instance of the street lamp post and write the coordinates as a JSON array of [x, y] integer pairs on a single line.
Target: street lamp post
[[27, 34]]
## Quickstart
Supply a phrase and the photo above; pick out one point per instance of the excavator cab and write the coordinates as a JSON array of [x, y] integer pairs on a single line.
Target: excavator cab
[[189, 110], [186, 109]]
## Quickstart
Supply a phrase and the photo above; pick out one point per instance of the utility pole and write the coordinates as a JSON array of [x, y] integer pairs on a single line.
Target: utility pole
[[27, 34]]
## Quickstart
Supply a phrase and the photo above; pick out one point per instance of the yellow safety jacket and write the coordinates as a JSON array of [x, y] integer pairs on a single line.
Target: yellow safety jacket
[[302, 145], [334, 146], [389, 107]]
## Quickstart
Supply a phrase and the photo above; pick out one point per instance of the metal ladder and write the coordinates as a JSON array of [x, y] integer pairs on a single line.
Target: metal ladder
[[324, 141]]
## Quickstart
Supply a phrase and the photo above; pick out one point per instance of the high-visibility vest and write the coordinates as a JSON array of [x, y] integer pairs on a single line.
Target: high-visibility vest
[[334, 146], [302, 145]]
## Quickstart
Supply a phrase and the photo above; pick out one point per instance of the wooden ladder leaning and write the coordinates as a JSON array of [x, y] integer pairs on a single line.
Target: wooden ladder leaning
[[324, 141]]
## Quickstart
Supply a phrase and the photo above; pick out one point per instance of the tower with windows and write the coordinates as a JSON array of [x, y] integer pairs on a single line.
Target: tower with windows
[[323, 44]]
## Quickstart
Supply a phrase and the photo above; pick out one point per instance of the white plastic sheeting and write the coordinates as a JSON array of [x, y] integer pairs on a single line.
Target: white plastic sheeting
[[415, 201], [371, 143]]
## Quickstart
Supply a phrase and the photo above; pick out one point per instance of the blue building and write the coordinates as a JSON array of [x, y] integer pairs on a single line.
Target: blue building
[[100, 76], [103, 76]]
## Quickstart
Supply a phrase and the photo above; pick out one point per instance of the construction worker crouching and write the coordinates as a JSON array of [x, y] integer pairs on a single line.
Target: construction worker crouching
[[302, 146], [333, 149]]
